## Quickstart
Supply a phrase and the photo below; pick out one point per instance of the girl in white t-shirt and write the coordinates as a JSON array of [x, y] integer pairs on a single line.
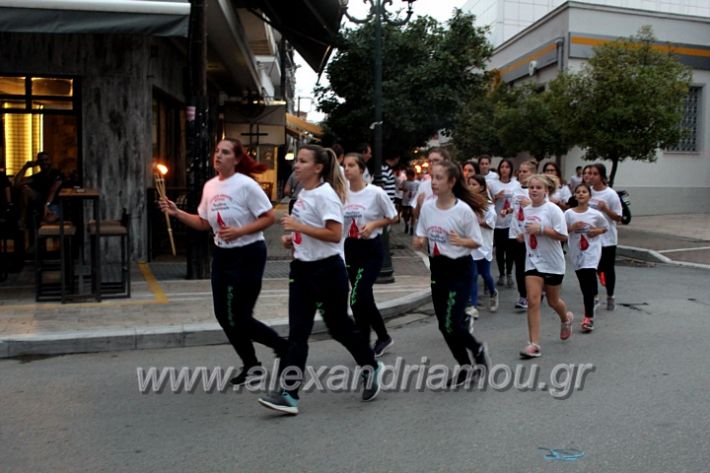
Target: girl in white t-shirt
[[450, 227], [502, 191], [237, 210], [410, 187], [367, 211], [562, 193], [483, 255], [521, 199], [544, 229], [435, 156], [607, 201], [318, 280], [584, 225]]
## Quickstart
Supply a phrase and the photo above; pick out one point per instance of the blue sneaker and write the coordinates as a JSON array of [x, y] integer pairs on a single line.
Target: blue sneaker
[[280, 401], [371, 383]]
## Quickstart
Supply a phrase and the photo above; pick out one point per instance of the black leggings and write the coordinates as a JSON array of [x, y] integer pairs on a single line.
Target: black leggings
[[606, 266], [363, 259], [236, 283], [518, 250], [588, 284], [450, 292], [504, 252], [321, 286]]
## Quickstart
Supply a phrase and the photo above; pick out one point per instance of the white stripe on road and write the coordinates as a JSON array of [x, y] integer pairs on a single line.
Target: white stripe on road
[[678, 250]]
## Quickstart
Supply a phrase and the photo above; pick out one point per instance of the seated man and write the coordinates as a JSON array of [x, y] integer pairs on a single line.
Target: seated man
[[40, 189]]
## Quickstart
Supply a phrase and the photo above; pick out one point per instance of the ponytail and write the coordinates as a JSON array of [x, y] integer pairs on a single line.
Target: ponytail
[[246, 164], [333, 176]]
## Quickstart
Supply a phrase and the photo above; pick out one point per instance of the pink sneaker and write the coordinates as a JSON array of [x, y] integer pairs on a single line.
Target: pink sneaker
[[532, 350], [566, 327]]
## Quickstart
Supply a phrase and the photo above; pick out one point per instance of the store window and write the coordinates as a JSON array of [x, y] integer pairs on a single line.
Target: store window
[[39, 114]]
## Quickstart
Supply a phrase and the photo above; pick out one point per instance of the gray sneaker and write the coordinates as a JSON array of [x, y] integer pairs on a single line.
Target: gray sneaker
[[381, 346], [509, 281], [280, 401], [371, 382], [500, 281], [610, 303]]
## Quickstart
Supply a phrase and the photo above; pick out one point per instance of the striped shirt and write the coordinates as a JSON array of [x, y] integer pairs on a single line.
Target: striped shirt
[[389, 183]]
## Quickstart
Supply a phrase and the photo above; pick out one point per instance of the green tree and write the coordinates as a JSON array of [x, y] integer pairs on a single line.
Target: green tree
[[528, 123], [626, 102], [426, 77]]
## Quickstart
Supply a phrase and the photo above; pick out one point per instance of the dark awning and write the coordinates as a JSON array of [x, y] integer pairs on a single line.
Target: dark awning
[[154, 18], [311, 26]]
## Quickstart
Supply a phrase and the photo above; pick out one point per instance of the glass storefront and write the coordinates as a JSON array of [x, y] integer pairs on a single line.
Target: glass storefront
[[39, 114]]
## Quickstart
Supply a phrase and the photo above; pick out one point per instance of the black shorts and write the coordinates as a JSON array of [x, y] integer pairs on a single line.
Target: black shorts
[[548, 279]]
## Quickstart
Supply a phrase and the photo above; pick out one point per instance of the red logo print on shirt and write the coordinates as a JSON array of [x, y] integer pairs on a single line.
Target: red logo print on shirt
[[297, 239], [436, 250], [583, 243], [220, 222], [533, 242], [353, 232], [521, 215], [506, 204]]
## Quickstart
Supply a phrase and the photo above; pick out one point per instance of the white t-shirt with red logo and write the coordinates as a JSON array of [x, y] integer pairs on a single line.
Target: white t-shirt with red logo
[[585, 251], [516, 222], [613, 202], [233, 202], [314, 208], [365, 206], [542, 252], [435, 225], [506, 202], [485, 251]]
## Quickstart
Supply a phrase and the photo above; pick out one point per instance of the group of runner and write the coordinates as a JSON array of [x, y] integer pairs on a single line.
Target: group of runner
[[334, 231]]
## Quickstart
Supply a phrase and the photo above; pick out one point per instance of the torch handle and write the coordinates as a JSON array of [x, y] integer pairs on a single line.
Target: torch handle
[[170, 233]]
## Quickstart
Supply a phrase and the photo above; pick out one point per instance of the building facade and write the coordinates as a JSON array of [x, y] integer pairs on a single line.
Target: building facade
[[679, 181], [506, 18]]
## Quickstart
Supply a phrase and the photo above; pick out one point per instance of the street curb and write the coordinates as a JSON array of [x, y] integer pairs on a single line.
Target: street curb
[[170, 336], [653, 256]]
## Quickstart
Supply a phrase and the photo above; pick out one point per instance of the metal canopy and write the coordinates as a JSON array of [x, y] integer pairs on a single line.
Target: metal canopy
[[154, 18], [311, 26]]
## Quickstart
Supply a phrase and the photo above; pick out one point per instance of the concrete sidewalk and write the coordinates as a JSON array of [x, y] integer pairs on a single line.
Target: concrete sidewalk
[[165, 310], [671, 239]]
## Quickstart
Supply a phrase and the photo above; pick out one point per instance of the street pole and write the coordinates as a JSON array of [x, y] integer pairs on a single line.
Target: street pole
[[378, 15], [197, 139]]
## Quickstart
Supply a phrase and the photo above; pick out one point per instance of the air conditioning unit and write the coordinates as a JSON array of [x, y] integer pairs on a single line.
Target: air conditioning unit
[[532, 67]]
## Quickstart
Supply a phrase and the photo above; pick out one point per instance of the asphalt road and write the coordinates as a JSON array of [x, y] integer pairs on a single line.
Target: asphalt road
[[644, 408]]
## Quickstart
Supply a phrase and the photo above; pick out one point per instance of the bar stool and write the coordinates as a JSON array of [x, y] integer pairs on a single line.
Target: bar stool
[[120, 229], [47, 291]]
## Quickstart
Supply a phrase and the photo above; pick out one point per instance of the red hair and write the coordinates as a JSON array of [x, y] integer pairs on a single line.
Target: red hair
[[246, 165]]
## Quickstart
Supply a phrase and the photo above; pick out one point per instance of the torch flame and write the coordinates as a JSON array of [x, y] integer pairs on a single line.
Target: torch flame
[[162, 169]]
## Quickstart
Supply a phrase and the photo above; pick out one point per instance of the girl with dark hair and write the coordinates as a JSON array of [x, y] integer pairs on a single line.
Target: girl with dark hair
[[318, 280], [584, 226], [502, 191], [435, 156], [367, 211], [483, 255], [607, 201], [470, 169], [544, 229], [562, 193], [484, 164], [237, 210], [449, 225]]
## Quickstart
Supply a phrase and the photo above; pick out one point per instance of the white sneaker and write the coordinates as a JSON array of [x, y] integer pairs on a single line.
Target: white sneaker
[[472, 312], [493, 303]]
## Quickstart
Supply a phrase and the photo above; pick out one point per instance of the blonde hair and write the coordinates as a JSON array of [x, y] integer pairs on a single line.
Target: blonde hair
[[547, 181]]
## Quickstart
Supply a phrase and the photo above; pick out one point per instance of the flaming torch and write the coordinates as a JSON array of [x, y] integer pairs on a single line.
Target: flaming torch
[[158, 173]]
